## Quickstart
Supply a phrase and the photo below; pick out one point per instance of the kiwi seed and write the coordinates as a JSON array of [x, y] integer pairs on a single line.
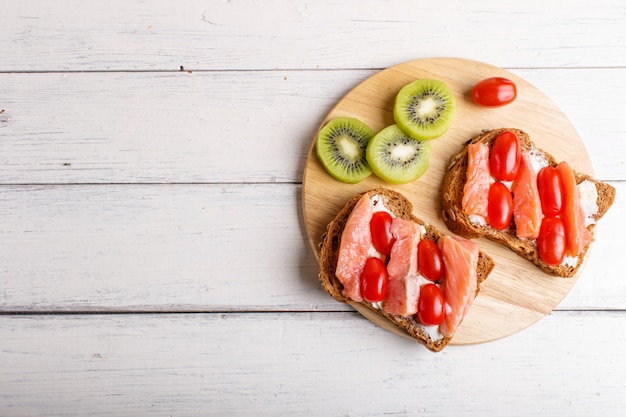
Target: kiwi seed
[[341, 146]]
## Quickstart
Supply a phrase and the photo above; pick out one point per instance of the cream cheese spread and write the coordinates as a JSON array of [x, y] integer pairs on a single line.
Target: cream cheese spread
[[588, 199], [432, 331]]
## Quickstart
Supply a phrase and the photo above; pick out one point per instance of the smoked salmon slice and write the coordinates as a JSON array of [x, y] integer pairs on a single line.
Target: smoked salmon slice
[[355, 243], [577, 236], [460, 259], [527, 212], [403, 288], [476, 189]]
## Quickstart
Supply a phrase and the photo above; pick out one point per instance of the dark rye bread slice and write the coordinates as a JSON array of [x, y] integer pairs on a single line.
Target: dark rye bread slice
[[459, 223], [400, 207]]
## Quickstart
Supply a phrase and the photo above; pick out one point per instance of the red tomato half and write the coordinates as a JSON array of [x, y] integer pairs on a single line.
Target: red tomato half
[[429, 260], [550, 190], [551, 241], [380, 227], [374, 280], [500, 206], [505, 157], [430, 306], [494, 92]]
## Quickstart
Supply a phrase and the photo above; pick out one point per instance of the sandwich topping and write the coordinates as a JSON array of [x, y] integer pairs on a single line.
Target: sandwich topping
[[541, 202], [389, 264]]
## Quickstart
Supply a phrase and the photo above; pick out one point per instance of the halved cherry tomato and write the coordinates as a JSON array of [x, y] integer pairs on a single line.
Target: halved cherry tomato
[[429, 260], [494, 92], [551, 241], [500, 206], [550, 190], [506, 156], [430, 306], [380, 227], [374, 279]]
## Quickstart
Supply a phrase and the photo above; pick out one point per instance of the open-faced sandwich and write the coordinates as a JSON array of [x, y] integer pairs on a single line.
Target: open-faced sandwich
[[503, 187], [378, 254]]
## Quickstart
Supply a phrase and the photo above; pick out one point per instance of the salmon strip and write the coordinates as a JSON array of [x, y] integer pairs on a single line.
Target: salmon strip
[[403, 288], [577, 236], [476, 189], [527, 212], [460, 259], [355, 243]]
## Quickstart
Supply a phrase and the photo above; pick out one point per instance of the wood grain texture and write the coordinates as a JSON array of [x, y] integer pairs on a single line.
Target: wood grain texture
[[181, 127], [155, 248], [199, 34], [197, 247], [132, 188], [301, 364], [158, 127]]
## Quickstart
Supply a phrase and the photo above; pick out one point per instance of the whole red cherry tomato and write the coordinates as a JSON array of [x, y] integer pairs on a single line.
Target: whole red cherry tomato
[[550, 190], [505, 157], [430, 306], [494, 92], [500, 206], [429, 260], [380, 228], [374, 279], [551, 241]]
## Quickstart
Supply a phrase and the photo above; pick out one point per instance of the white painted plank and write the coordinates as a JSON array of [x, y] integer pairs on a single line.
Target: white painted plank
[[155, 248], [40, 35], [596, 113], [228, 127], [198, 248], [163, 127], [333, 364]]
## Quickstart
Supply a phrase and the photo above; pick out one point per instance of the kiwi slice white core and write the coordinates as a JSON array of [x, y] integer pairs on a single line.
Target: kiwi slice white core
[[346, 145], [402, 153], [426, 108]]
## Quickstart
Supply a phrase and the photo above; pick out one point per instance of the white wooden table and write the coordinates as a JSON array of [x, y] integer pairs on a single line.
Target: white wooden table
[[153, 257]]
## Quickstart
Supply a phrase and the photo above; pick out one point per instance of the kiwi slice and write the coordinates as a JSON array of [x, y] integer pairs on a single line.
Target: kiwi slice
[[424, 108], [396, 157], [341, 146]]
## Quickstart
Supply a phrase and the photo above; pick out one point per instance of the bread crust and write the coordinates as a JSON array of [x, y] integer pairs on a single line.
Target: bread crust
[[459, 223], [400, 207]]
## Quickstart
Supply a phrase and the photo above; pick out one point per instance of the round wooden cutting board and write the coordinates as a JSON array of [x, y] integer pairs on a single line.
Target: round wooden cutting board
[[516, 294]]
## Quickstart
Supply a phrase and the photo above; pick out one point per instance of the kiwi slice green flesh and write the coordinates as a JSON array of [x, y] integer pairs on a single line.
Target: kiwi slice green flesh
[[341, 146], [425, 108], [396, 157]]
